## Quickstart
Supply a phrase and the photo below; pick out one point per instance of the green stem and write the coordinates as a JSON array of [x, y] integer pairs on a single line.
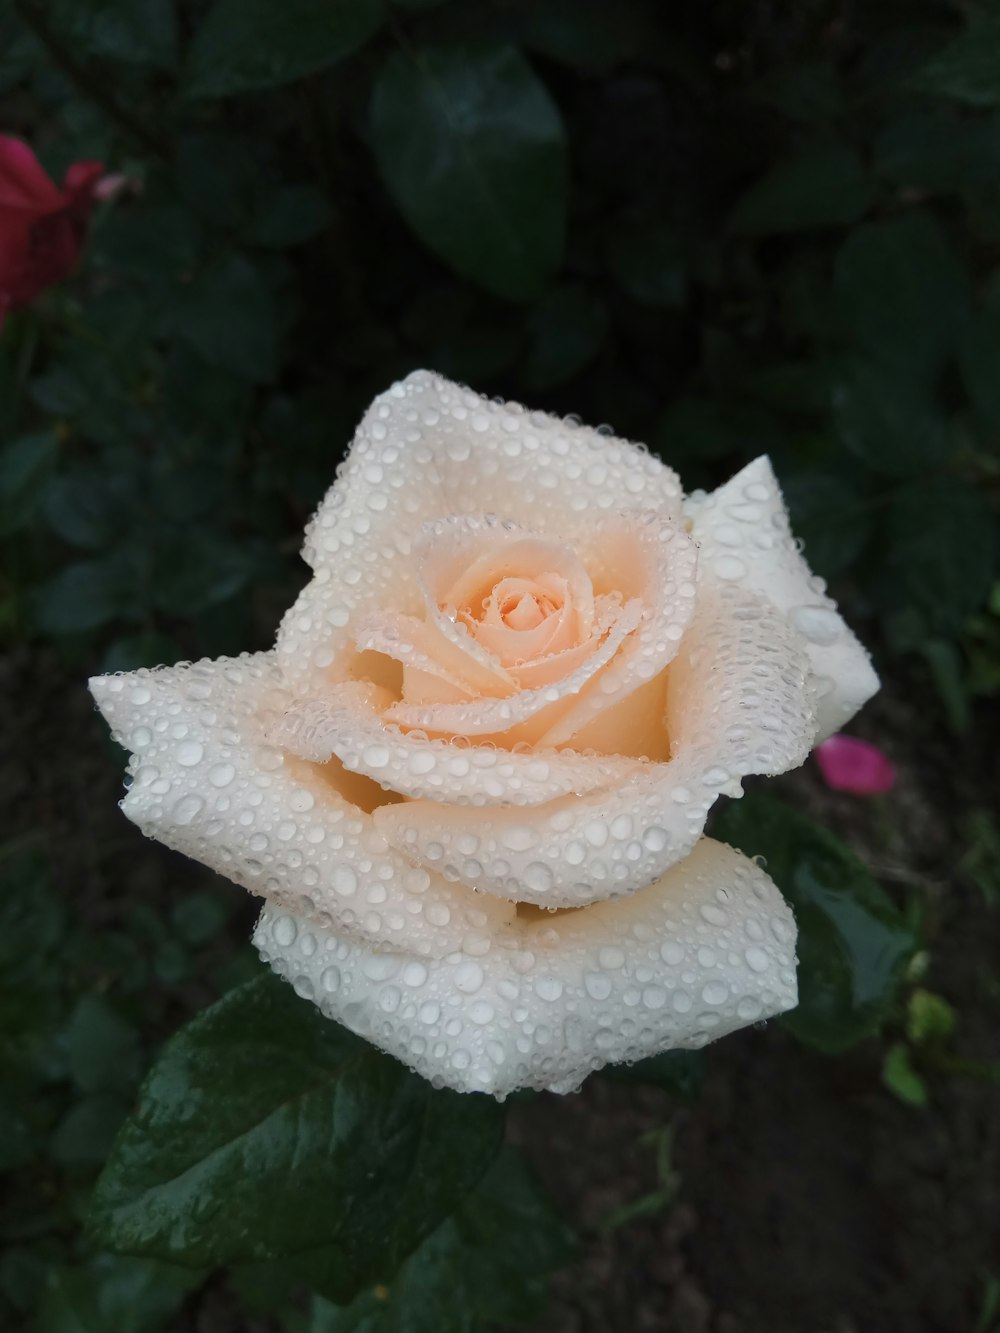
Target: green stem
[[32, 15]]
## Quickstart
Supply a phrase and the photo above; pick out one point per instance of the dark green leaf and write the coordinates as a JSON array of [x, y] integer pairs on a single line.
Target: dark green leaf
[[968, 68], [940, 153], [289, 215], [141, 650], [677, 1072], [809, 94], [85, 1134], [979, 360], [217, 175], [25, 467], [90, 506], [473, 150], [648, 264], [140, 32], [113, 1295], [831, 517], [267, 1129], [486, 1264], [942, 550], [593, 35], [103, 1049], [157, 242], [565, 331], [199, 917], [227, 312], [88, 594], [902, 293], [248, 44], [822, 186], [853, 944], [888, 419], [901, 1078]]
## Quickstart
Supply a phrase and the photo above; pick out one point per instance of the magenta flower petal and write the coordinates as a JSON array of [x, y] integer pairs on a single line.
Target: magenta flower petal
[[850, 764]]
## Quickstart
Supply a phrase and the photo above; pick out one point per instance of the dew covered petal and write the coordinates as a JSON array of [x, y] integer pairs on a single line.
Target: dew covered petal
[[206, 781], [745, 538], [707, 949]]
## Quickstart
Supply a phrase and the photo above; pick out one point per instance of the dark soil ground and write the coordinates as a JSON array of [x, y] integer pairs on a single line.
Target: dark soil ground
[[808, 1199]]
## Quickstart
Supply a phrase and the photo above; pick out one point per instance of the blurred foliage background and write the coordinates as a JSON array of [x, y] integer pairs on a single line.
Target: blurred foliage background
[[720, 228]]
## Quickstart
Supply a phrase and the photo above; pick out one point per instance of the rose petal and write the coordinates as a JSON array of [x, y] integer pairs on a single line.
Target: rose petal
[[705, 950], [745, 538], [851, 764], [494, 717], [428, 448], [24, 185], [654, 561], [738, 702], [345, 722], [206, 783]]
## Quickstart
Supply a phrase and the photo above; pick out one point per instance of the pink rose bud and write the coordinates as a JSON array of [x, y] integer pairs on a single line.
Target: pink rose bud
[[850, 764], [42, 226]]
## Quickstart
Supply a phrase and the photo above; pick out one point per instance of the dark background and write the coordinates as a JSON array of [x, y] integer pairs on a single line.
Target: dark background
[[719, 228]]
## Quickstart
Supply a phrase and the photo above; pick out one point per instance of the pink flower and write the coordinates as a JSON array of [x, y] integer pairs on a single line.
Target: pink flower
[[42, 227], [853, 765]]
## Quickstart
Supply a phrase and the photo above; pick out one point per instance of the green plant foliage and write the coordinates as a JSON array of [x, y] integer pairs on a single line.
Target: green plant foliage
[[243, 45], [329, 1145], [473, 149], [853, 943], [968, 68], [825, 185], [485, 1264], [943, 550]]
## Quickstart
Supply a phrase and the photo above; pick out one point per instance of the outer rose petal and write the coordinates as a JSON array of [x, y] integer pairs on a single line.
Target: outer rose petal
[[707, 949], [737, 702], [206, 783], [428, 448], [24, 184], [345, 722], [745, 538]]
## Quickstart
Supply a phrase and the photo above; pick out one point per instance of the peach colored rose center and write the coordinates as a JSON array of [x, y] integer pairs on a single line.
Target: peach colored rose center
[[510, 615]]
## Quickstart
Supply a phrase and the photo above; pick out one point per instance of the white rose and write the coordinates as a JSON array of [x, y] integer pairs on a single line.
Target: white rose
[[522, 673]]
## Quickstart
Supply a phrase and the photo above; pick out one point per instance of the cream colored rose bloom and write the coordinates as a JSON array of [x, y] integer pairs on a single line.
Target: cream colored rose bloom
[[471, 779]]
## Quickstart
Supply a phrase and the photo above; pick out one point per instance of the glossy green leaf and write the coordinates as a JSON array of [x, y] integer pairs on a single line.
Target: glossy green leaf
[[968, 68], [825, 185], [266, 1129], [472, 149], [853, 944], [486, 1264], [243, 45], [25, 467], [902, 293], [942, 550]]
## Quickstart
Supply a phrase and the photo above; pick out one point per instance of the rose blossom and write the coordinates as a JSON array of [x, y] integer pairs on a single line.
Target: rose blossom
[[523, 671], [41, 226]]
